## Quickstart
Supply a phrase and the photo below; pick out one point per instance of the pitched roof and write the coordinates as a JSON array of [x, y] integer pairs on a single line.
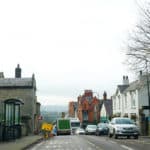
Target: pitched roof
[[16, 82], [108, 106], [137, 84], [134, 85]]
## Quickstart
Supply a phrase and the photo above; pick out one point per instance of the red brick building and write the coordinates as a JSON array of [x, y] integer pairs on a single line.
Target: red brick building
[[88, 108]]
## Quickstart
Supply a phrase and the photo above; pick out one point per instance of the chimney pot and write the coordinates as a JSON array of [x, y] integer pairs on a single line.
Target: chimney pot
[[140, 72], [125, 80], [105, 95], [18, 72], [1, 75]]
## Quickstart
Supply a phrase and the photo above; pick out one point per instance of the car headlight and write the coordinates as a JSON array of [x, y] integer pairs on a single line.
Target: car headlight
[[137, 128], [119, 128]]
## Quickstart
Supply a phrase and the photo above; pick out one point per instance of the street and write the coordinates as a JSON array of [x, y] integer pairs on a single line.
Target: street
[[89, 142]]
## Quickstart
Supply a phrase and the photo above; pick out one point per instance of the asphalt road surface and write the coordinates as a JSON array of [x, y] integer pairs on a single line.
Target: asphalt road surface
[[87, 142]]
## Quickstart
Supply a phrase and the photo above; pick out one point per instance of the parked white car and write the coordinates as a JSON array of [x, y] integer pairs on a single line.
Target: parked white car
[[123, 127]]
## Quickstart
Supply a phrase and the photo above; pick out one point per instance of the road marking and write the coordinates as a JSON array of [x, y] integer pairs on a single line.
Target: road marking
[[94, 145], [112, 142], [91, 143], [126, 147]]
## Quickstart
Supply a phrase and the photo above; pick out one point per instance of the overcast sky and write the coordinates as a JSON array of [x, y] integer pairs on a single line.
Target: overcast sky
[[70, 45]]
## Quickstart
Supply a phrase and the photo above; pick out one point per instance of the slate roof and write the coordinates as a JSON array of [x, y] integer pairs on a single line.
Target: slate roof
[[16, 82], [121, 88], [137, 84], [134, 85]]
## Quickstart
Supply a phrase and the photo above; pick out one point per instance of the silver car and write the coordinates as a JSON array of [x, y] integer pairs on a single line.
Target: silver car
[[90, 129], [123, 127], [79, 131]]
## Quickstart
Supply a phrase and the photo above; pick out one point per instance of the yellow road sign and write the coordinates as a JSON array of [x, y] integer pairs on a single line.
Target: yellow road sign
[[47, 126]]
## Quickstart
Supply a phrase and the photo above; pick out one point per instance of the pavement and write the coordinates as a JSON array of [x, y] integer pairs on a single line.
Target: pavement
[[147, 137], [22, 143]]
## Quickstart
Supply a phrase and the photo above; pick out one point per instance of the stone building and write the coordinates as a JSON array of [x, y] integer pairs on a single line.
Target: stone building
[[19, 109]]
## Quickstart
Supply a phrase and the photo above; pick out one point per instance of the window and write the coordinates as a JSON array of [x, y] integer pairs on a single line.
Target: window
[[114, 101], [17, 114], [133, 100], [125, 100], [119, 101], [9, 114], [85, 115], [12, 113]]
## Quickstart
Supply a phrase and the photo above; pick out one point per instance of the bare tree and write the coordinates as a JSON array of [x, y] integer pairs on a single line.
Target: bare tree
[[138, 50]]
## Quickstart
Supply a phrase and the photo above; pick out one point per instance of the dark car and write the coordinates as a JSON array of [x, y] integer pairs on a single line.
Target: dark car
[[102, 129]]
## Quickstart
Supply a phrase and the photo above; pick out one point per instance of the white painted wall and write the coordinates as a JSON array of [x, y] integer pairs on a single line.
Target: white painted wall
[[103, 111]]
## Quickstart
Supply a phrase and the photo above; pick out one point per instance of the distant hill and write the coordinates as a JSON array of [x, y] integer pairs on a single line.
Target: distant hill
[[54, 108], [51, 112]]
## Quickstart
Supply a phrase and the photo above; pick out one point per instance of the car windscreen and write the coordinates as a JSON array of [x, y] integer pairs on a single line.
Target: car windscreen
[[75, 124], [92, 126], [102, 125], [124, 121]]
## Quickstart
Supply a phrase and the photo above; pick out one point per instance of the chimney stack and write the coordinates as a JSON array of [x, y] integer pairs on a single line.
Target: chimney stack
[[1, 75], [105, 96], [125, 80], [140, 72], [18, 72]]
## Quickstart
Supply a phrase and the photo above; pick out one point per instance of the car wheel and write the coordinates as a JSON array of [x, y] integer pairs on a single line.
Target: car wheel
[[136, 137], [114, 135], [110, 135]]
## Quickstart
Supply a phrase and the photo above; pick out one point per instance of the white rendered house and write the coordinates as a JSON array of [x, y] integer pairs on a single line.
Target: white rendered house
[[129, 99]]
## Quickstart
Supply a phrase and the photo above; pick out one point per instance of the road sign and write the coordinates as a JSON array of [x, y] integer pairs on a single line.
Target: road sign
[[47, 127]]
